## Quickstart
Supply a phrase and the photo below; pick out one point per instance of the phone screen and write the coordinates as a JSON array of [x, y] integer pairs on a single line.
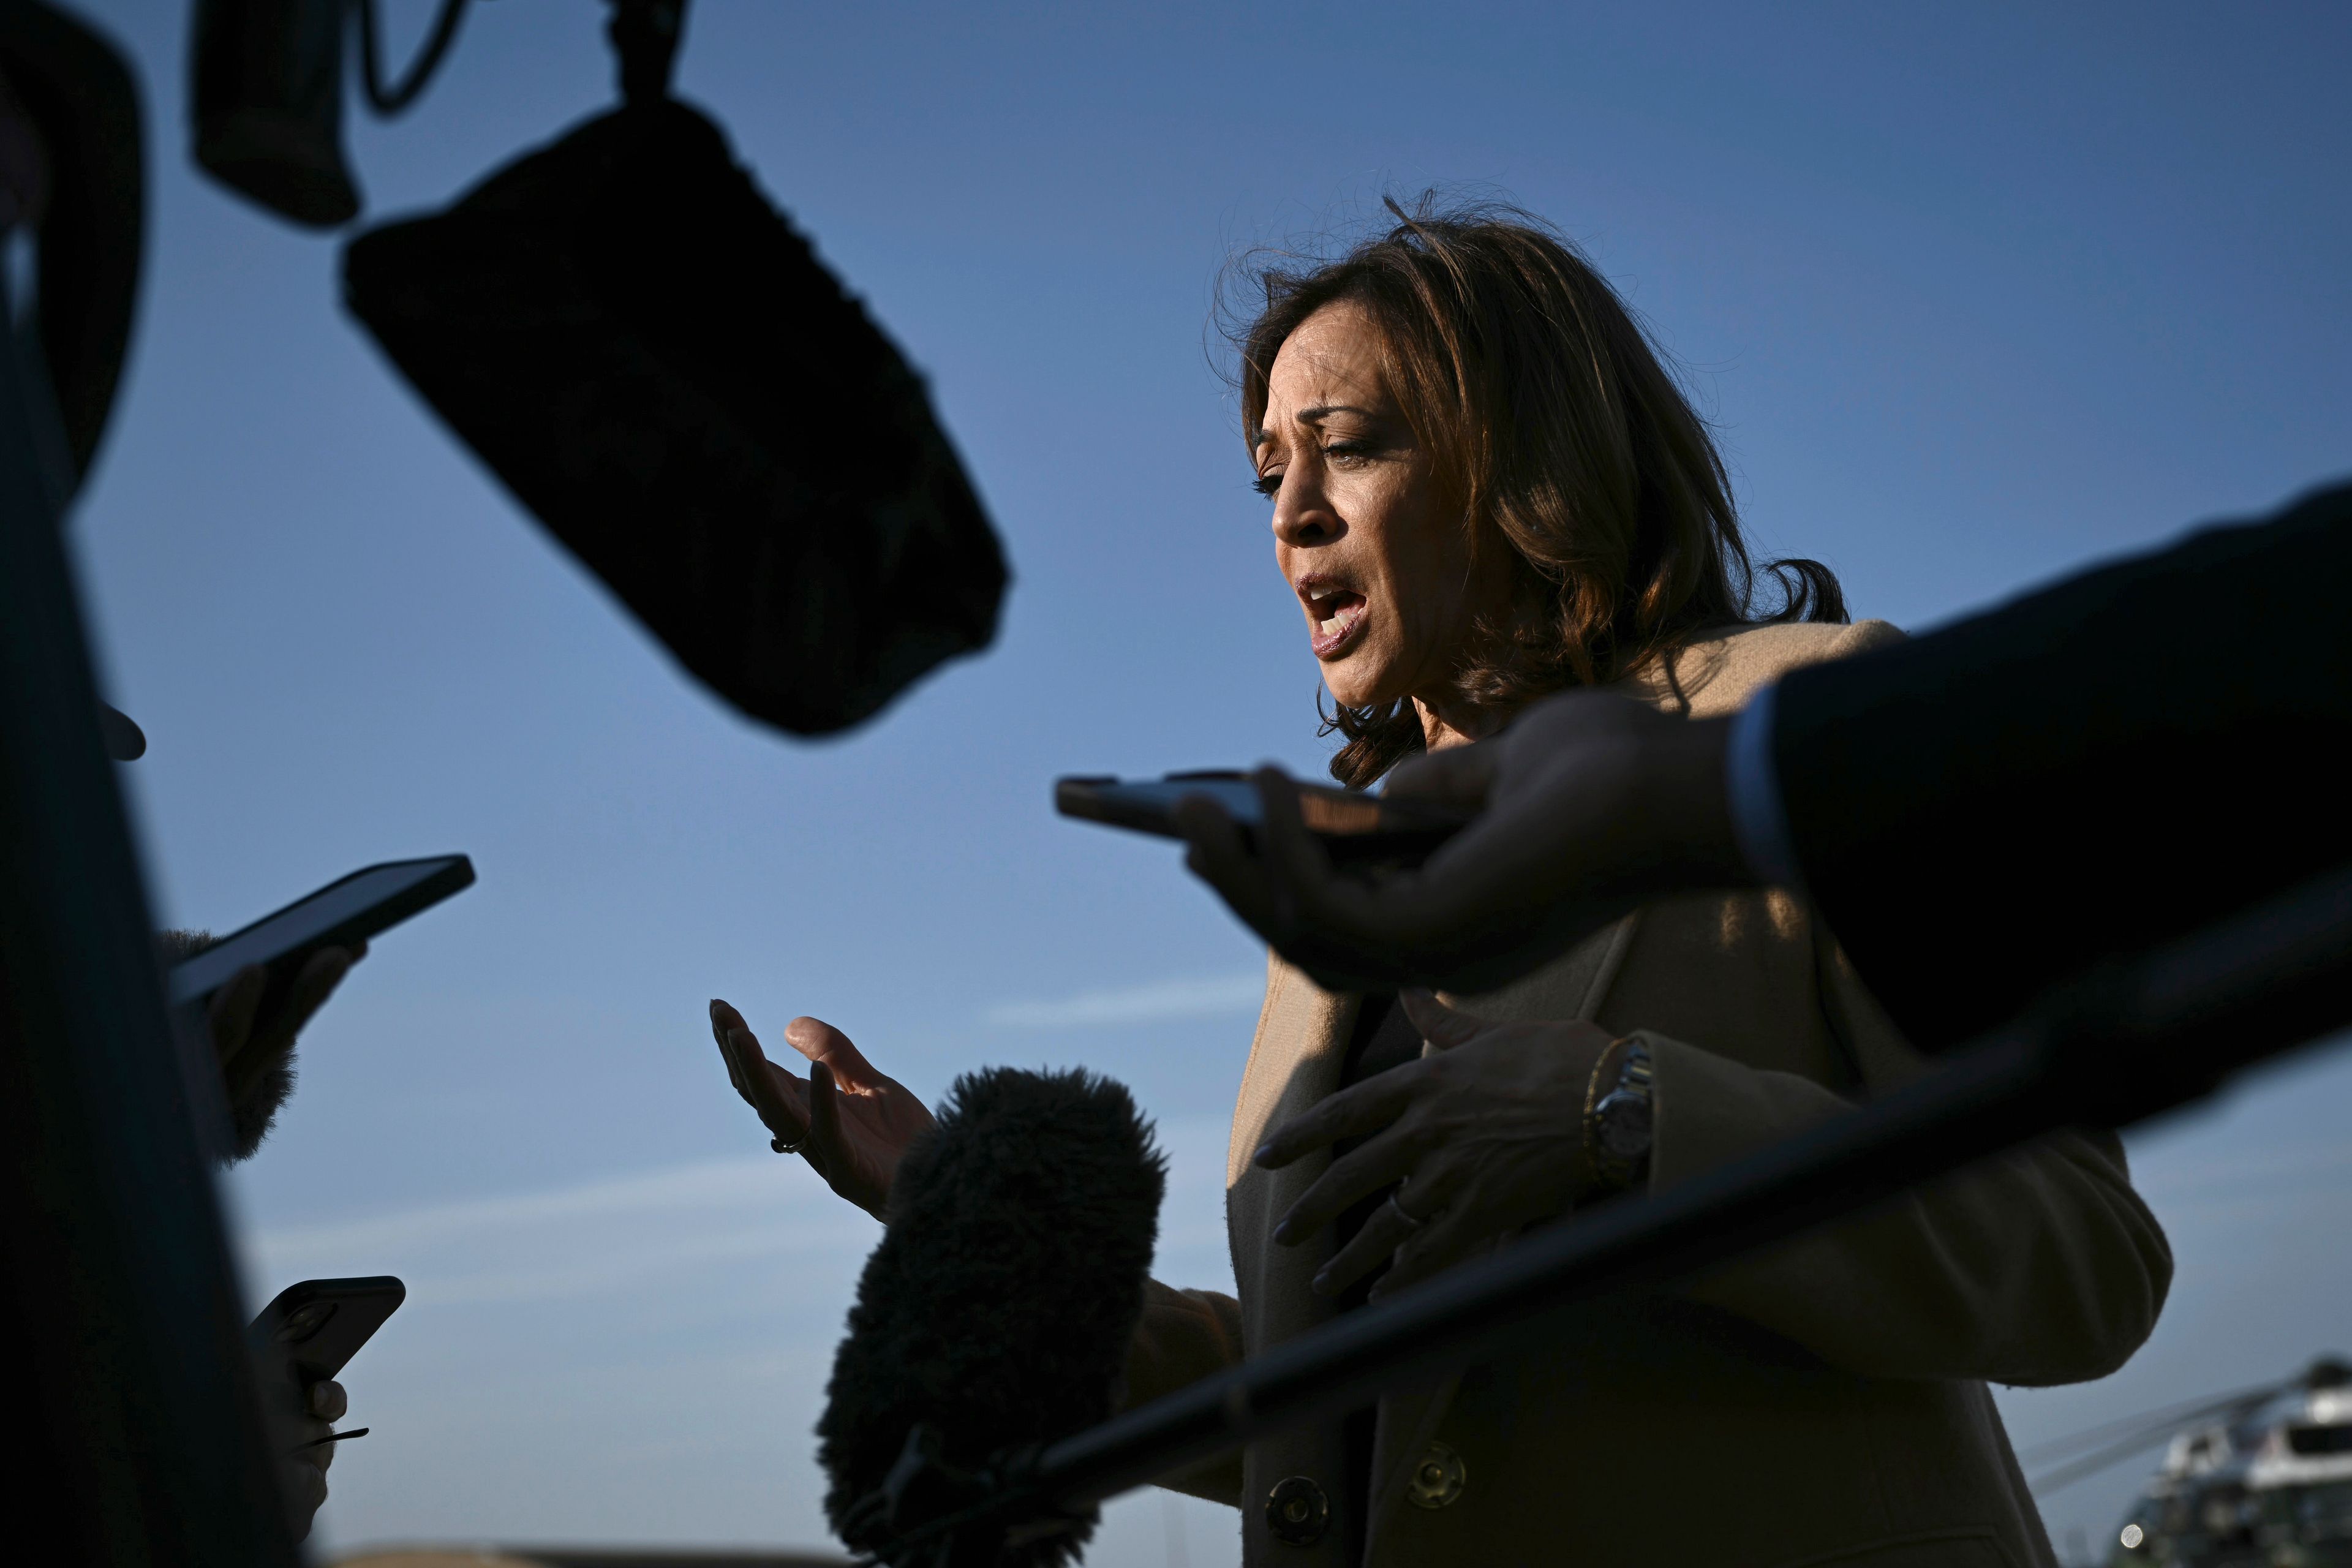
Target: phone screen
[[351, 909]]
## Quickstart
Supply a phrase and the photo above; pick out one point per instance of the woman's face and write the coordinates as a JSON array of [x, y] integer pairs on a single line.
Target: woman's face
[[1376, 554]]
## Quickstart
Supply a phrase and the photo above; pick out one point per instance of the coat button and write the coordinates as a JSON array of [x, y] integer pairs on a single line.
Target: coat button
[[1438, 1480], [1297, 1511]]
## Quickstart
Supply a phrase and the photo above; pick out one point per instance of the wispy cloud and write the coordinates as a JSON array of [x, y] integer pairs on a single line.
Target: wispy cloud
[[589, 1237], [682, 1228], [1212, 997]]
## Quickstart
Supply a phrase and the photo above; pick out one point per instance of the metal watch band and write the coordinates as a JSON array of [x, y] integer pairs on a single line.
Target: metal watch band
[[1617, 1124]]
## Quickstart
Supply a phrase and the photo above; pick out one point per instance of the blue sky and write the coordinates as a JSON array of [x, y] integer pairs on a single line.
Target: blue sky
[[1972, 299]]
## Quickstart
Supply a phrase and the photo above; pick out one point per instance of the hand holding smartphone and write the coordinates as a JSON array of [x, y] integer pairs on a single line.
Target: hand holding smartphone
[[301, 1340], [311, 1330], [289, 965], [343, 913], [1360, 831]]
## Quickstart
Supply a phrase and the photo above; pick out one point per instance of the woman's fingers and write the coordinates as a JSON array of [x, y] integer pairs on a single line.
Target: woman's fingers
[[726, 1023], [759, 1081], [857, 1157], [1366, 1108], [775, 1094], [823, 1148], [1447, 1234], [1446, 1028], [1384, 1231], [1381, 1162], [819, 1041], [809, 1116], [781, 1099]]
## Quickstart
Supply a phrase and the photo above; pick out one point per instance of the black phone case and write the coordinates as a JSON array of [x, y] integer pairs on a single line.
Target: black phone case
[[455, 876], [314, 1327]]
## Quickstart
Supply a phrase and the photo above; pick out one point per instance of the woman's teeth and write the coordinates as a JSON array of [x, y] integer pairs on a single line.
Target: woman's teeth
[[1331, 614]]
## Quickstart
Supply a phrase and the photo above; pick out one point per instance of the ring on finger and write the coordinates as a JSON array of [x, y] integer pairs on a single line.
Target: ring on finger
[[781, 1147], [1411, 1221]]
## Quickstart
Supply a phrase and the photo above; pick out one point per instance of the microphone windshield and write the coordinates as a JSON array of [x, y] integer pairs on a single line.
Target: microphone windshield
[[998, 1308]]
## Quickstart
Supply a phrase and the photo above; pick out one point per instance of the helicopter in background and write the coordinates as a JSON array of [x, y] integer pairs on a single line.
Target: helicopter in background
[[2257, 1479]]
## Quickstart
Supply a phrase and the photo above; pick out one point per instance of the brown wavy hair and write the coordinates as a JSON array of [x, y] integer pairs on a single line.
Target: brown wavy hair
[[1551, 415]]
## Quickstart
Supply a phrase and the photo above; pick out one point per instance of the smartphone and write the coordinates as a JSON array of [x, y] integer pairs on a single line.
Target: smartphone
[[315, 1326], [1358, 831], [339, 914]]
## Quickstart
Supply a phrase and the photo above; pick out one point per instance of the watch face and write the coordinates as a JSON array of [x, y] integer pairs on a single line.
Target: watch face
[[1624, 1125]]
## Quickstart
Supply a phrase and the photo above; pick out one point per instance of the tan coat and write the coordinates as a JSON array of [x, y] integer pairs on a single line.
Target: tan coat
[[1824, 1404]]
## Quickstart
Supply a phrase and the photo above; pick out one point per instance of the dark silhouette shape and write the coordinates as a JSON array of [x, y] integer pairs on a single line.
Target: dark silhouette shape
[[660, 369], [74, 88], [995, 1314]]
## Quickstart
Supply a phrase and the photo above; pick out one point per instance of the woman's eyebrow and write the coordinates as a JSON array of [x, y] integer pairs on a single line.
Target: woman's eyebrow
[[1263, 435], [1323, 411]]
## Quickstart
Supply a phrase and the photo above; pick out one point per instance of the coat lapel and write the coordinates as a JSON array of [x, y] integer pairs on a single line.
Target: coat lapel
[[1294, 1064], [1294, 1061]]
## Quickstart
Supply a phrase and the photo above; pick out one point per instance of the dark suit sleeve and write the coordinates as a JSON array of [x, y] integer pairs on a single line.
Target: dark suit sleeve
[[2092, 770]]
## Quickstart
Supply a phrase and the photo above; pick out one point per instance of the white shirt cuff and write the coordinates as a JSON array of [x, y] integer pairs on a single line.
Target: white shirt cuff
[[1759, 822]]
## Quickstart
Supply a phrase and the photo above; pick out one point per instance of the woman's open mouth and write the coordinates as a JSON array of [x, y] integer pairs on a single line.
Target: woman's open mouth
[[1333, 615]]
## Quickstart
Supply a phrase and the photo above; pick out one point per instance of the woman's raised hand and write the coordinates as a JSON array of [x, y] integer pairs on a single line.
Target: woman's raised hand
[[849, 1121]]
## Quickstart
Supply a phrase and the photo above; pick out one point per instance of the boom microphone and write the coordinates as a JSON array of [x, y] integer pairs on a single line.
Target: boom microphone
[[994, 1316]]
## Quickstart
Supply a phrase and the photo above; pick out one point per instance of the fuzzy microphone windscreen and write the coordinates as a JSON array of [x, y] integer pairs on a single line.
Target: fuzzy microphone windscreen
[[998, 1308]]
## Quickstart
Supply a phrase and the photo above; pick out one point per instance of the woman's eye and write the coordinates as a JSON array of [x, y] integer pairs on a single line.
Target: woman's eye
[[1349, 453], [1266, 484]]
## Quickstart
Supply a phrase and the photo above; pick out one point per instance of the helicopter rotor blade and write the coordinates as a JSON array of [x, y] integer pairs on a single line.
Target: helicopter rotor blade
[[2166, 1416], [2149, 1437]]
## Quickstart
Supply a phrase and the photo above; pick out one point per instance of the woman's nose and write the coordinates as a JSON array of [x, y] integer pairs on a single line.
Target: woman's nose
[[1302, 514]]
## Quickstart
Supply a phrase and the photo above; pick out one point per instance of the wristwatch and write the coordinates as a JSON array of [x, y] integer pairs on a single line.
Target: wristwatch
[[1617, 1128]]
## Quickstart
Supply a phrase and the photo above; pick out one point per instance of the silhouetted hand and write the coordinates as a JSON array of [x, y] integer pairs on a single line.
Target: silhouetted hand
[[1485, 1135], [252, 1046], [323, 1404], [1589, 805], [851, 1122]]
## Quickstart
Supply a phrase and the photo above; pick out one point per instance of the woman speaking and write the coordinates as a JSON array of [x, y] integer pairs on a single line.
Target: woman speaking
[[1485, 487]]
